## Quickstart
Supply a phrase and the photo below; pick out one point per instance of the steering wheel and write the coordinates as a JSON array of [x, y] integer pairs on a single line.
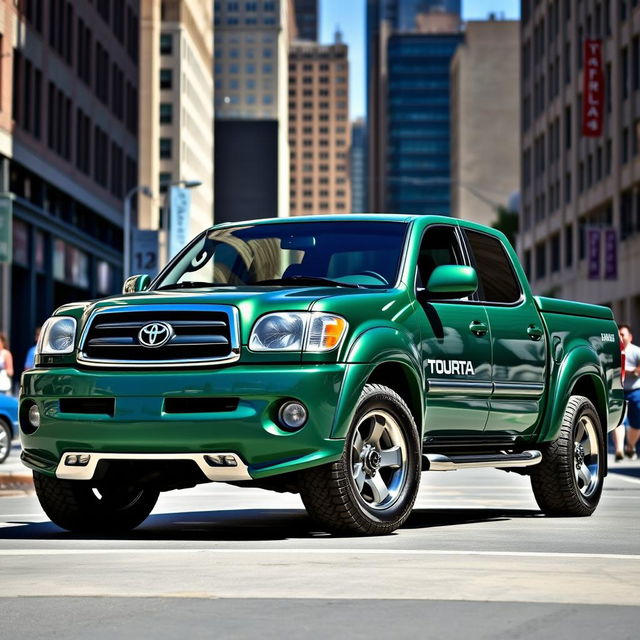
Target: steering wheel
[[373, 274]]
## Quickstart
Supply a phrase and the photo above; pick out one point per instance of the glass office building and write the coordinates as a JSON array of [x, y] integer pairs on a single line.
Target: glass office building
[[418, 131]]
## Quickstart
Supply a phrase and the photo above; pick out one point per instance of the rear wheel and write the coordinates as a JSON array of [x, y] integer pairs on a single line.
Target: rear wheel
[[568, 481], [83, 506], [371, 489]]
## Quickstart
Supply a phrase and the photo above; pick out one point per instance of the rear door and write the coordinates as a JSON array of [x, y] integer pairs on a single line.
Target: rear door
[[518, 341], [456, 347]]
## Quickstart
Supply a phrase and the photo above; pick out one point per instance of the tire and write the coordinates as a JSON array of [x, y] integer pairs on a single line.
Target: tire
[[371, 489], [6, 434], [84, 507], [568, 481]]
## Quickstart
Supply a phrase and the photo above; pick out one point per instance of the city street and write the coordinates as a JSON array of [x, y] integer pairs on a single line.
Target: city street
[[475, 558]]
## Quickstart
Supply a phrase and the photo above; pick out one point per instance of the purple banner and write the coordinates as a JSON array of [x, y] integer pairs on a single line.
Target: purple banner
[[610, 254], [593, 253]]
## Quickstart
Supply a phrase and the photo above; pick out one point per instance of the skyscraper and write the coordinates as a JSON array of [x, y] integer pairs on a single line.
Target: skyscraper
[[250, 69], [68, 153], [358, 166], [319, 132], [409, 48], [307, 19], [485, 120], [580, 224], [176, 132]]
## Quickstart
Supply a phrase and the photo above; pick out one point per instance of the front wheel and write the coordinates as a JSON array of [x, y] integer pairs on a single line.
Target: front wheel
[[568, 481], [371, 489], [82, 506]]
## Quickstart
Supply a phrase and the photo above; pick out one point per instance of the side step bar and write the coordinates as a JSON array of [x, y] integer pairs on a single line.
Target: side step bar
[[440, 462]]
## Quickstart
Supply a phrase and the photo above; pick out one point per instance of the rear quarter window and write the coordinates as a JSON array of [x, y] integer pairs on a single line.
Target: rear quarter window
[[498, 281]]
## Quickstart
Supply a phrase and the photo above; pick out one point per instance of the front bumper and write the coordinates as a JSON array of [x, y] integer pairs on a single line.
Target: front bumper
[[140, 428]]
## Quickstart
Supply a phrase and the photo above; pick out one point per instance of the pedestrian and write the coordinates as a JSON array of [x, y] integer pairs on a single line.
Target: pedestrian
[[29, 361], [632, 395], [6, 366]]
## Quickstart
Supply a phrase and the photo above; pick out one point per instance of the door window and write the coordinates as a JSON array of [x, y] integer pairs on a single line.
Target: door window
[[439, 247], [497, 279]]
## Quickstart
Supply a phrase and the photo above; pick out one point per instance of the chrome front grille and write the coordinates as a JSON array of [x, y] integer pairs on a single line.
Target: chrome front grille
[[199, 335]]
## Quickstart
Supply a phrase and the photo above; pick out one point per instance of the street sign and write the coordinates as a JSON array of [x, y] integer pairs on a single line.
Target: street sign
[[145, 251], [6, 212], [179, 214]]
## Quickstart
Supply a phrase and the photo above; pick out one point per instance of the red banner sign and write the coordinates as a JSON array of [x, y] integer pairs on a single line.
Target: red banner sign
[[592, 90]]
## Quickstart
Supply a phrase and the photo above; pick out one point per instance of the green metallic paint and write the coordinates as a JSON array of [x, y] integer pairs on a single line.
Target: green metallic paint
[[391, 333], [454, 279]]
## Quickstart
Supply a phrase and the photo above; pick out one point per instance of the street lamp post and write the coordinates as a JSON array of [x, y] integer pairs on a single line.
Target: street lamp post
[[127, 224]]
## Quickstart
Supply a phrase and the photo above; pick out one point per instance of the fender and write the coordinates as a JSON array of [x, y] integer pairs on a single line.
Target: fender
[[580, 361], [367, 351]]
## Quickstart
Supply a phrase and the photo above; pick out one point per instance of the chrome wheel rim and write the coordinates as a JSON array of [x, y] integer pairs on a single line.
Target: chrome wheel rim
[[586, 457], [379, 460]]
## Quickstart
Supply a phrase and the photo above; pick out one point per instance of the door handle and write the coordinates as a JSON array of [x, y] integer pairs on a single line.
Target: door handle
[[479, 328], [534, 332]]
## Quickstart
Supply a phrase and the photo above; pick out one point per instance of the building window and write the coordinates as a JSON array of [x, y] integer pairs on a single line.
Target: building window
[[555, 253], [166, 113], [166, 44], [166, 149], [164, 180], [541, 261], [568, 245], [166, 78]]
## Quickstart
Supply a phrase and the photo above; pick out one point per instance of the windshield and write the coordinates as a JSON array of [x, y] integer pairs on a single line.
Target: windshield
[[350, 254]]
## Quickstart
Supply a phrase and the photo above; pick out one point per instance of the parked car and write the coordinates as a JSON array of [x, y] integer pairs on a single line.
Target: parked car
[[8, 424], [337, 357]]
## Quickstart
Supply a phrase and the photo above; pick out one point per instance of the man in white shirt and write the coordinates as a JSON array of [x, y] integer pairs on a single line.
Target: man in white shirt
[[632, 395]]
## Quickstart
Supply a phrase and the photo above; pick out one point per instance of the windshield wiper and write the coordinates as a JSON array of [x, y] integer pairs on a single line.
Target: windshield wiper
[[309, 280], [189, 284]]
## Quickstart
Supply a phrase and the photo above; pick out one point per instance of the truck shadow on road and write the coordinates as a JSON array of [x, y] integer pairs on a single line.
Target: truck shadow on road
[[252, 525]]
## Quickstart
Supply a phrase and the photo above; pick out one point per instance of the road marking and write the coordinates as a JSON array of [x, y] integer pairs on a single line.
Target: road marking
[[621, 476], [297, 551]]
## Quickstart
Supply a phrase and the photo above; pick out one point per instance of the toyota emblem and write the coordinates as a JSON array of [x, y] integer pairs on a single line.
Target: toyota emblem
[[155, 334]]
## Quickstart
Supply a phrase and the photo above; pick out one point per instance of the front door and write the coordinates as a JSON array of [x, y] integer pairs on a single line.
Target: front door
[[456, 347], [517, 337]]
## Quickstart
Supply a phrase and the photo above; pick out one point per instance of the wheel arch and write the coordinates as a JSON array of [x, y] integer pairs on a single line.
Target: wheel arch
[[403, 381], [382, 355], [579, 374]]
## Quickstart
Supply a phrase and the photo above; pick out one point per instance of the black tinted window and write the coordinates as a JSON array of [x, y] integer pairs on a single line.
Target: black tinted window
[[498, 281], [439, 247]]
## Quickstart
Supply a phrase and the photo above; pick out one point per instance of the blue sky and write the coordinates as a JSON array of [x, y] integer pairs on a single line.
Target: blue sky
[[349, 15]]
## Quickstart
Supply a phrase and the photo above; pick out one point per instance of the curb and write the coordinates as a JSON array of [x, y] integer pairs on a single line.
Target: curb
[[13, 480]]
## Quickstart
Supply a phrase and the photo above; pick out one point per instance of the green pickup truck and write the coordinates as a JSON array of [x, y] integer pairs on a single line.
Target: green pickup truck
[[333, 356]]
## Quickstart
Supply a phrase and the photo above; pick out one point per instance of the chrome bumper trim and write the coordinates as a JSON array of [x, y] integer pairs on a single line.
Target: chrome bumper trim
[[215, 474]]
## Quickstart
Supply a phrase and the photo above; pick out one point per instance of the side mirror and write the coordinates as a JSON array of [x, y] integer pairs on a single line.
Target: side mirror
[[136, 283], [456, 281]]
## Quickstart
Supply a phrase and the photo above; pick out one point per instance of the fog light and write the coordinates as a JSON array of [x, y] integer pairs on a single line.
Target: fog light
[[292, 415], [77, 460], [34, 415], [221, 461]]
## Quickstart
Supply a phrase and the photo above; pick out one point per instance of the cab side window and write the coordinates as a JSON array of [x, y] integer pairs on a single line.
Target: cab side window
[[498, 281], [439, 246]]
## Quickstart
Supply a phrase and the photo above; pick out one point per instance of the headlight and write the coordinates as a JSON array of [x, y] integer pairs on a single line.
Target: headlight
[[58, 336], [301, 331]]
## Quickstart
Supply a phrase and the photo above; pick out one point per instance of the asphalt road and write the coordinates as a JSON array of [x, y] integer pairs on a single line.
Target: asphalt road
[[476, 559]]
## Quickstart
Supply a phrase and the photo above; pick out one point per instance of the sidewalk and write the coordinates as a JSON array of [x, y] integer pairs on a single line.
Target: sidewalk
[[13, 474]]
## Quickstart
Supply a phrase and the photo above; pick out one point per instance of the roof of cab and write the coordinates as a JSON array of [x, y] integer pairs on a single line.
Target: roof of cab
[[350, 217]]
